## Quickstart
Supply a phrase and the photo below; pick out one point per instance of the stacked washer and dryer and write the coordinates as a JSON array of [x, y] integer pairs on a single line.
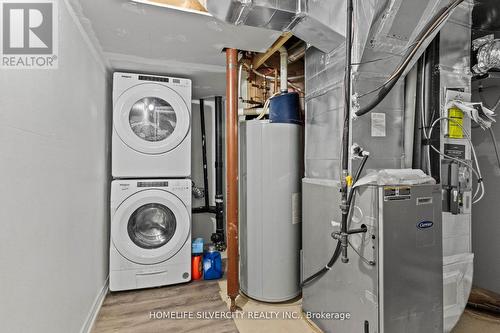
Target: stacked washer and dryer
[[151, 191]]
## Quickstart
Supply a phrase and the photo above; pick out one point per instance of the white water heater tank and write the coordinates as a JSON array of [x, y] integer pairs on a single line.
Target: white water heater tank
[[270, 210]]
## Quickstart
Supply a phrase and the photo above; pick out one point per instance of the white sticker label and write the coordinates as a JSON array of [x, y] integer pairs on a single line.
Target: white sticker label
[[296, 208], [378, 124], [424, 201]]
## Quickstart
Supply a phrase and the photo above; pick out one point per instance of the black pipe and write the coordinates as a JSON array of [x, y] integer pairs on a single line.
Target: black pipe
[[417, 126], [424, 34], [219, 236], [433, 103], [204, 153], [361, 230], [206, 208], [200, 210], [345, 134]]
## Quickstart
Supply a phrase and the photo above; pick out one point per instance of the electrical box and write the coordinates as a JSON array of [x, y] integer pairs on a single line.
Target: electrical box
[[456, 163]]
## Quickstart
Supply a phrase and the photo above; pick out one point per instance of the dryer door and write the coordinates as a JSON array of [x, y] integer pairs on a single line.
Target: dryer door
[[150, 226], [151, 118]]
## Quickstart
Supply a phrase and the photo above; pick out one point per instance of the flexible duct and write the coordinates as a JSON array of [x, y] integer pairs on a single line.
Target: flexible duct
[[488, 55]]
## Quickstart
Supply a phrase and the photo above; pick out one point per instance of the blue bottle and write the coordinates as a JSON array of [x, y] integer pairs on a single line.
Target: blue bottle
[[212, 264]]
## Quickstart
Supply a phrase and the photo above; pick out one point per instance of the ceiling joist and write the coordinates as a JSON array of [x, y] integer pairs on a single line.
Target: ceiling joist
[[261, 58]]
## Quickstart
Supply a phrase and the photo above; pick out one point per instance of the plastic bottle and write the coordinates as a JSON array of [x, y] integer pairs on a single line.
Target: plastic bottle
[[197, 246], [196, 267], [212, 264]]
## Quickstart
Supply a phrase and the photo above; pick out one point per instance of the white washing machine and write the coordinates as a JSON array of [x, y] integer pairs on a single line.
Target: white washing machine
[[151, 126], [150, 233]]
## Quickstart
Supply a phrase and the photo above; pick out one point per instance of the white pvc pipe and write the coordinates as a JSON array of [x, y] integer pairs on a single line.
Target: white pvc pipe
[[283, 69], [251, 112]]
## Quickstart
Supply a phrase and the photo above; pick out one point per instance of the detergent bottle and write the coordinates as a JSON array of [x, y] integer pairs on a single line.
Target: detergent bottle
[[212, 264]]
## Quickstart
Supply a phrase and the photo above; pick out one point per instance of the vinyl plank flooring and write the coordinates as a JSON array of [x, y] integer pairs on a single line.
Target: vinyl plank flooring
[[130, 311]]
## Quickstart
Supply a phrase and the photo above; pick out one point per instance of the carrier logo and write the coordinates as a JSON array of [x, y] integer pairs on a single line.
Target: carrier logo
[[425, 225], [29, 34]]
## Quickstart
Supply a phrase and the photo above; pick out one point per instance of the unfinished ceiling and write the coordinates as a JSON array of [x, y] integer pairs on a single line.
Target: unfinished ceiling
[[142, 37]]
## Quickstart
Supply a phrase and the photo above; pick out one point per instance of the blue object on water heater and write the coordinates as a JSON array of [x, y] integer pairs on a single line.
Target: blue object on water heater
[[285, 108]]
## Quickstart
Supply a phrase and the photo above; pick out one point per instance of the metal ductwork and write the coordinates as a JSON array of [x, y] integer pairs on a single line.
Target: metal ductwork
[[268, 14], [316, 22], [382, 26]]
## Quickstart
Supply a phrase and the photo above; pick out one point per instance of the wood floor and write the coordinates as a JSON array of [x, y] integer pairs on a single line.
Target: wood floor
[[131, 311], [134, 312]]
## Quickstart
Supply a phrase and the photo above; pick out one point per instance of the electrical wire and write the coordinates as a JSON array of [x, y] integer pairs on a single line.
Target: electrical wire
[[268, 78], [494, 139], [363, 259], [424, 120], [432, 26], [476, 172], [384, 58], [266, 106], [490, 129], [290, 78], [338, 248]]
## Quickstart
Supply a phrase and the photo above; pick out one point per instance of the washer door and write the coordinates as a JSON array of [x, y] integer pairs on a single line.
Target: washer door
[[151, 118], [150, 226]]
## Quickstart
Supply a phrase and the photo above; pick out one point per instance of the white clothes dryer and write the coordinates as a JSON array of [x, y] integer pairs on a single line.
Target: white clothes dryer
[[151, 126]]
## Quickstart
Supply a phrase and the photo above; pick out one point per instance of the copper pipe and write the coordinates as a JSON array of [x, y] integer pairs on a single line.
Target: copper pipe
[[233, 287]]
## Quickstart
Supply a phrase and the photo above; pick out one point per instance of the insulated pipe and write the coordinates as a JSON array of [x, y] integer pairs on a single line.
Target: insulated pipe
[[283, 69], [251, 111], [232, 175], [296, 52]]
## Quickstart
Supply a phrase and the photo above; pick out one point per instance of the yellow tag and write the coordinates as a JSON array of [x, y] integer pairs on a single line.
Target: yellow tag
[[454, 129], [348, 180]]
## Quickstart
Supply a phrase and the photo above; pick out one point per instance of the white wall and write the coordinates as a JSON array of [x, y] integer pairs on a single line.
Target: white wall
[[54, 166], [485, 217]]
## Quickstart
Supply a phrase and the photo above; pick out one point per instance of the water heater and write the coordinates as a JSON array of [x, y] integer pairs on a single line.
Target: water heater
[[270, 209]]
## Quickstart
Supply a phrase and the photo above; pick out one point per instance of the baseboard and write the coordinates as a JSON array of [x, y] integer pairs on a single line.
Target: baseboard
[[96, 306]]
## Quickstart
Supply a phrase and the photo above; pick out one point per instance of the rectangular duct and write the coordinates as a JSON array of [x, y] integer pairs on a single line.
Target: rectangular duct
[[316, 22], [385, 26], [269, 14]]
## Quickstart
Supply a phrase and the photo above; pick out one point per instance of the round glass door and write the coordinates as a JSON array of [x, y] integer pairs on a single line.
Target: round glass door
[[152, 119], [151, 226]]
